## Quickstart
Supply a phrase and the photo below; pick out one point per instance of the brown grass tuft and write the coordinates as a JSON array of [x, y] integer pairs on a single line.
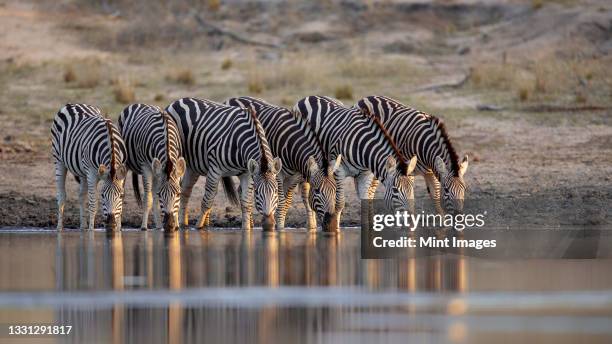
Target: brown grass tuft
[[227, 64], [344, 92], [182, 76], [69, 75], [158, 97], [124, 92]]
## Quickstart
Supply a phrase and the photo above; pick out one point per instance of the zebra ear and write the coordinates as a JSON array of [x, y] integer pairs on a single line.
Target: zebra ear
[[391, 163], [411, 165], [101, 171], [120, 172], [278, 164], [253, 166], [156, 167], [440, 166], [463, 166], [180, 167], [336, 163]]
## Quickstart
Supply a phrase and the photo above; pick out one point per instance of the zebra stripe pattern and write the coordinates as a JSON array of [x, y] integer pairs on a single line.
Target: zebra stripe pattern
[[303, 160], [425, 136], [221, 141], [154, 151], [90, 147], [367, 151]]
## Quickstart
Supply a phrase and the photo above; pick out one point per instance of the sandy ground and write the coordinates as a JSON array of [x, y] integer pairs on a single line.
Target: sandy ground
[[550, 156]]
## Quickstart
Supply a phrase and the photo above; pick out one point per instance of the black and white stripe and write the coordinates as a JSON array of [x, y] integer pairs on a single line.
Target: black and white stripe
[[221, 141], [367, 151], [425, 136], [293, 141], [91, 148], [154, 151]]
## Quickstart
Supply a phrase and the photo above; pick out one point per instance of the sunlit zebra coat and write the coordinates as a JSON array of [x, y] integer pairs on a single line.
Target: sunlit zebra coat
[[425, 136], [293, 141], [154, 151], [90, 147], [367, 151], [221, 141]]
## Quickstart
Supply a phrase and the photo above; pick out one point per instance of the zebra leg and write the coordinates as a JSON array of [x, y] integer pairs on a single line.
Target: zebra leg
[[281, 210], [312, 217], [339, 176], [156, 209], [83, 203], [189, 180], [92, 198], [210, 190], [147, 198], [60, 180], [363, 185], [373, 187], [433, 187], [246, 201]]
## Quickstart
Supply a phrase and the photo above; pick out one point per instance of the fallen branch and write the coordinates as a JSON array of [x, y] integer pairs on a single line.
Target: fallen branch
[[451, 85], [213, 29]]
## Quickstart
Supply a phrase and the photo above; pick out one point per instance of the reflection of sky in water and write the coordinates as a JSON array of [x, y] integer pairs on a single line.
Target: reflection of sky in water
[[232, 286]]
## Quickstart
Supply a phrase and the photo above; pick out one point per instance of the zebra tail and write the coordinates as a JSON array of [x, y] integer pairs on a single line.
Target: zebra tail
[[230, 191], [136, 188]]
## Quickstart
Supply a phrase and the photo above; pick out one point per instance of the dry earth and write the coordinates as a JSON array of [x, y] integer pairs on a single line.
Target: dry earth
[[541, 159]]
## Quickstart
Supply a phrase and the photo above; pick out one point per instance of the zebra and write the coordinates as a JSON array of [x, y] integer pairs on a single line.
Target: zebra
[[426, 137], [90, 147], [221, 141], [367, 150], [154, 151], [293, 141]]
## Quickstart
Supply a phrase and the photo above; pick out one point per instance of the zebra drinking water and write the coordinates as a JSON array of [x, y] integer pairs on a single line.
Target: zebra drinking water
[[293, 141], [154, 151], [367, 150], [425, 136], [90, 147], [221, 141]]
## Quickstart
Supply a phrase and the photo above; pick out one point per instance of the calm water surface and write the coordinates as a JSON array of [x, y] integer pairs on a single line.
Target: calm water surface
[[292, 286]]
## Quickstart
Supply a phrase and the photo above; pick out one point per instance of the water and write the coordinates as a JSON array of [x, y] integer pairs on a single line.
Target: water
[[291, 286]]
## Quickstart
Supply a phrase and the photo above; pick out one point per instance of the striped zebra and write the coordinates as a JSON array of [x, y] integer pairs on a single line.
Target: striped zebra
[[154, 151], [425, 136], [367, 151], [293, 141], [221, 141], [90, 147]]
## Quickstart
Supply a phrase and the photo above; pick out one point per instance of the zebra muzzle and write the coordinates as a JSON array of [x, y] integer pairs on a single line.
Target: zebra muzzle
[[268, 222], [330, 222], [111, 223], [169, 223]]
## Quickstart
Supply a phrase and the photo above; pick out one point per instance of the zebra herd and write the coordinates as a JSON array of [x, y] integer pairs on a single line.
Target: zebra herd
[[271, 149]]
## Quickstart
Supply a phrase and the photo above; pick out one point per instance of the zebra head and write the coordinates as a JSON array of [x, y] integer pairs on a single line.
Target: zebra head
[[453, 186], [322, 196], [112, 193], [265, 186], [399, 184], [168, 180]]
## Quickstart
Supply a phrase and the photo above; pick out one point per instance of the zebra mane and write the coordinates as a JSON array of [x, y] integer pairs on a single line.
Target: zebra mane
[[263, 163], [439, 125], [109, 128], [402, 164], [169, 163]]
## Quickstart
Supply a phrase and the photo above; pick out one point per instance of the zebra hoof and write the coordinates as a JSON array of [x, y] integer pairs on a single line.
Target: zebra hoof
[[143, 229]]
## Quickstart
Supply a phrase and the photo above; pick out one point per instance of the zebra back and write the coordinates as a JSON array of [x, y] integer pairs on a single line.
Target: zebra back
[[82, 139], [362, 139], [289, 135], [416, 133]]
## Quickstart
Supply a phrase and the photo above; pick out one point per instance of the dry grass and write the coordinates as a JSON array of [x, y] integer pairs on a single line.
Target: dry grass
[[547, 80], [182, 76], [124, 92], [344, 92], [226, 64], [69, 75]]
